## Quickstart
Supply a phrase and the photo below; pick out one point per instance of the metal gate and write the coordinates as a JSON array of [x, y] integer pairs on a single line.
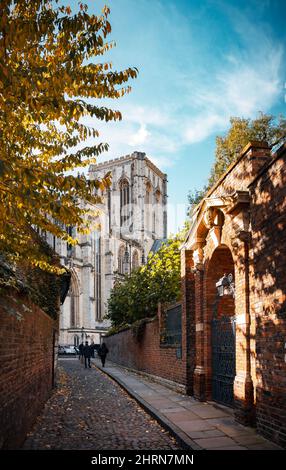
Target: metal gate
[[223, 359]]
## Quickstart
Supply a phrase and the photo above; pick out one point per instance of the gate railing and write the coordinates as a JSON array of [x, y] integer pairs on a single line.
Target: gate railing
[[223, 359], [171, 333]]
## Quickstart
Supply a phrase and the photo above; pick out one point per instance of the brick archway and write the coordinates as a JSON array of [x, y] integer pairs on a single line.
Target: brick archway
[[218, 244], [244, 210], [219, 329]]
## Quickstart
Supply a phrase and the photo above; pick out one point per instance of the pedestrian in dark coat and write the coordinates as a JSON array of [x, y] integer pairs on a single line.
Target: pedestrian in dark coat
[[92, 346], [102, 352], [87, 354]]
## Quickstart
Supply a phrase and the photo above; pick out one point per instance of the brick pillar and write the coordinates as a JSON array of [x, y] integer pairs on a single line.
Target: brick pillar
[[188, 316], [243, 384], [258, 154], [200, 371]]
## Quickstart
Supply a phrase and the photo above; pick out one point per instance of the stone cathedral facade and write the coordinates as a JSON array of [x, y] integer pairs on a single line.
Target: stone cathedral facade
[[131, 221]]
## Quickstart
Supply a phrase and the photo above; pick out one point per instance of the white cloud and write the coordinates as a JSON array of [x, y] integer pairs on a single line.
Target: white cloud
[[200, 127], [163, 162], [248, 82], [142, 128], [140, 137], [146, 115]]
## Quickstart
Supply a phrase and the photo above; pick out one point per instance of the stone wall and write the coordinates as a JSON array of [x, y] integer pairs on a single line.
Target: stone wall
[[28, 339]]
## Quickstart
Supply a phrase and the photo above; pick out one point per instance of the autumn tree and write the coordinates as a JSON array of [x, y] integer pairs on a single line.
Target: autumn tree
[[228, 147], [138, 294], [263, 128], [51, 76]]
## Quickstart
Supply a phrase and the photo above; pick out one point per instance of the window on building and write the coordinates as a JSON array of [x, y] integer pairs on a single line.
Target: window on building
[[121, 253], [97, 276], [72, 311], [156, 213], [154, 222], [109, 209], [124, 202], [135, 260], [74, 302], [148, 206]]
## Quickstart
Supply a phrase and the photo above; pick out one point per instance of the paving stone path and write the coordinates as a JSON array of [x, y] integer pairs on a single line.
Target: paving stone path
[[88, 410]]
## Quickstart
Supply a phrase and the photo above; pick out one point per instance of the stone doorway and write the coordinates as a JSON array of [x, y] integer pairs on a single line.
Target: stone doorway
[[222, 326]]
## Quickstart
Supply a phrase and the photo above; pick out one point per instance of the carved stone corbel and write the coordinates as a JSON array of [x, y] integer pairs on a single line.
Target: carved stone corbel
[[209, 217], [198, 256]]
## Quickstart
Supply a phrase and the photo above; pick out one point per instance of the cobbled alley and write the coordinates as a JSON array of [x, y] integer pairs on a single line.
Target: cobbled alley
[[88, 410]]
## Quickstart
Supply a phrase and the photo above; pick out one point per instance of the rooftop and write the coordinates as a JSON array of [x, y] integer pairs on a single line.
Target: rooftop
[[120, 160]]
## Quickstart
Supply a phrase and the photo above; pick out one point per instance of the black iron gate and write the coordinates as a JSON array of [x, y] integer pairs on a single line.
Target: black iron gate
[[223, 359]]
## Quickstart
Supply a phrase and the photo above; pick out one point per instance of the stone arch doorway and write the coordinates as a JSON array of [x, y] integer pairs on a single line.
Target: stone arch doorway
[[220, 312]]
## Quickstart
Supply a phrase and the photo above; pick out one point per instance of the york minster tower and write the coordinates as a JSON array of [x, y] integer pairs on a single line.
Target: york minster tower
[[132, 221]]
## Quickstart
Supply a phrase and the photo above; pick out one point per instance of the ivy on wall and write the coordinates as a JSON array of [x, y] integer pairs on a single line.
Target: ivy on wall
[[43, 288]]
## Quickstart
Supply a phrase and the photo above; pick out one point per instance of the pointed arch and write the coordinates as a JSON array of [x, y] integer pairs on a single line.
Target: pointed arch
[[125, 200], [135, 259], [121, 252], [74, 292], [148, 205]]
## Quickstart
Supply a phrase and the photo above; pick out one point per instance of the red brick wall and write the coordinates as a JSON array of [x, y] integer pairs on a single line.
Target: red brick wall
[[242, 172], [268, 297], [26, 366], [258, 251], [147, 355]]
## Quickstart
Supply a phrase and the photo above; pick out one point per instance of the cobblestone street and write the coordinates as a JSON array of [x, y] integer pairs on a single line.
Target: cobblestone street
[[88, 410]]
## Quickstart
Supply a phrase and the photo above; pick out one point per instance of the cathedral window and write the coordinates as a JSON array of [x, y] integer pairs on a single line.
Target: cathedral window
[[121, 253], [154, 222], [158, 197], [97, 274], [148, 206], [124, 201], [156, 213], [74, 302], [135, 260]]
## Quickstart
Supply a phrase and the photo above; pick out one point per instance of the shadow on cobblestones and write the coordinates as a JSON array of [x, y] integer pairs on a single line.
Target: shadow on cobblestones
[[89, 411]]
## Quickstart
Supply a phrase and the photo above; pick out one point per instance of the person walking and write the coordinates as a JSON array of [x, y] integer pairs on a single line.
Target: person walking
[[80, 351], [87, 354], [102, 352], [92, 347]]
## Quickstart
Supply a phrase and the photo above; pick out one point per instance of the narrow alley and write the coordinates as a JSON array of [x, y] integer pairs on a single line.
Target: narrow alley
[[88, 410]]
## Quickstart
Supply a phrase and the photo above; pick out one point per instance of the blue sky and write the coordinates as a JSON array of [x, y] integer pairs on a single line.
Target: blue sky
[[199, 63]]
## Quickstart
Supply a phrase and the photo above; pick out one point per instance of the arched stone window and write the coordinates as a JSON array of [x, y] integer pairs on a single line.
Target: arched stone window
[[74, 301], [135, 260], [158, 196], [121, 252], [148, 206], [157, 212], [124, 201], [97, 274]]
